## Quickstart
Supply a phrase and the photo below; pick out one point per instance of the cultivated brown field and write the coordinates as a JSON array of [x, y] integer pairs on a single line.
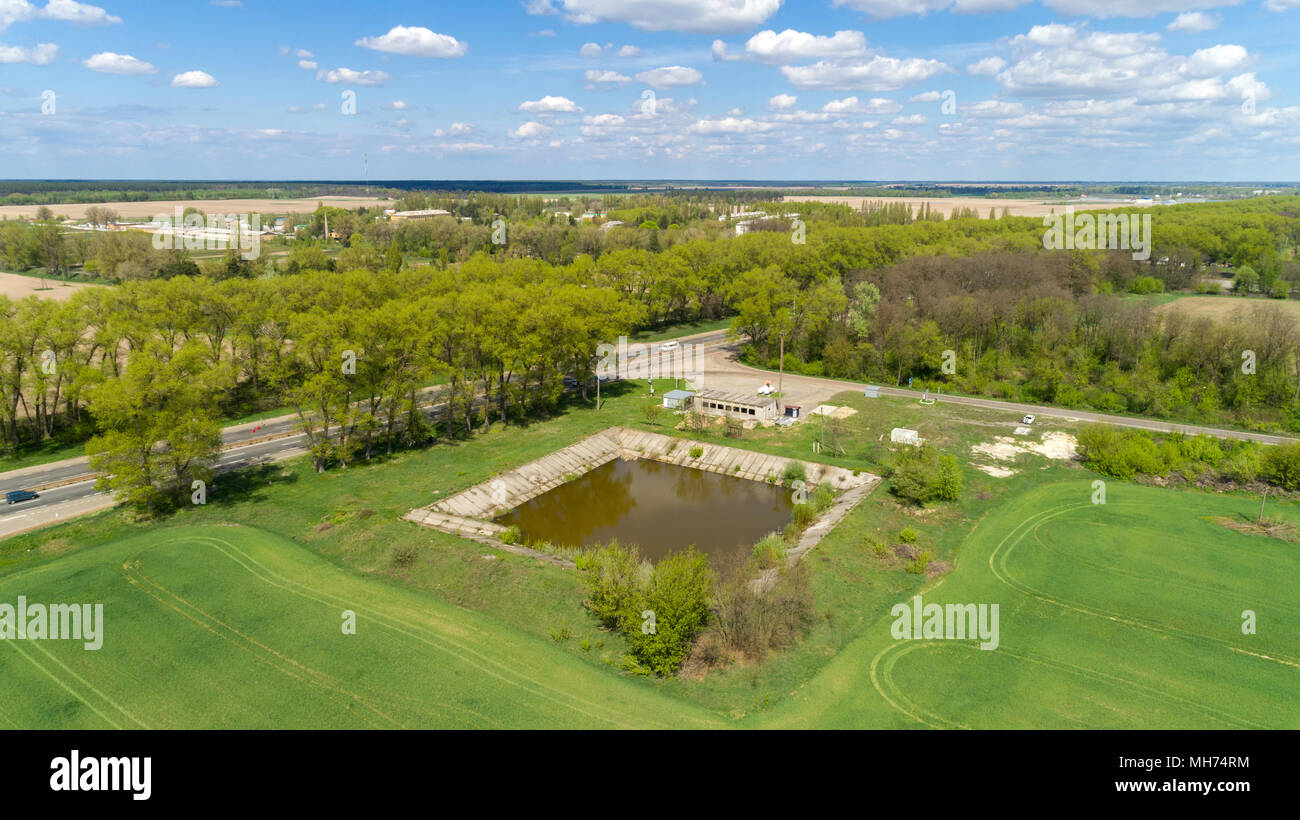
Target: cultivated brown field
[[1221, 308], [135, 210], [18, 287], [944, 205]]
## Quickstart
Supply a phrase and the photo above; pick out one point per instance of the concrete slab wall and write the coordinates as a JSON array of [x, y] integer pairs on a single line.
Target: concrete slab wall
[[469, 513]]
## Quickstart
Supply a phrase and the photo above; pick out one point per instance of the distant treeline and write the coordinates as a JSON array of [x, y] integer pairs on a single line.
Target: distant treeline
[[62, 192]]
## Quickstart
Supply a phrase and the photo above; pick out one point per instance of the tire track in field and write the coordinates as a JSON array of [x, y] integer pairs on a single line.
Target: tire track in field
[[998, 560], [469, 717], [886, 680], [881, 678], [466, 654], [1074, 558], [312, 678], [63, 684]]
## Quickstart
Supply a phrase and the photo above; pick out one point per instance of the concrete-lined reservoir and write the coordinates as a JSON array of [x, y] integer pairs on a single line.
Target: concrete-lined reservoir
[[660, 492], [659, 507]]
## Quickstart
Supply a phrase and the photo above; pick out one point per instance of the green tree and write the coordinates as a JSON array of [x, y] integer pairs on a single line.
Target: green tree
[[159, 429]]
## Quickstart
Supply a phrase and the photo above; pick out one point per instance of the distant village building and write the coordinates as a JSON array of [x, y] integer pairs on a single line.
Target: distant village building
[[427, 213]]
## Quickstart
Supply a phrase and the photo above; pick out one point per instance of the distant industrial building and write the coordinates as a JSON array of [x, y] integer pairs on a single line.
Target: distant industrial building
[[427, 213]]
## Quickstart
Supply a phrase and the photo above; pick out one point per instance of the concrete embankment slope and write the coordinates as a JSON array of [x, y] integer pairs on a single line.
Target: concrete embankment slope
[[469, 513]]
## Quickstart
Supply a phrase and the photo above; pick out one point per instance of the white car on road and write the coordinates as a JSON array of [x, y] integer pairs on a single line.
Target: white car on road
[[1028, 419]]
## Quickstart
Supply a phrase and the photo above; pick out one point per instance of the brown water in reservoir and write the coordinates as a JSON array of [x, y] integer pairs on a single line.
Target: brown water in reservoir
[[659, 507]]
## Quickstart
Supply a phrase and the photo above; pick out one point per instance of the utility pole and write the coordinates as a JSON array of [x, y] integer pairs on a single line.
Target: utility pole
[[780, 380], [1260, 522]]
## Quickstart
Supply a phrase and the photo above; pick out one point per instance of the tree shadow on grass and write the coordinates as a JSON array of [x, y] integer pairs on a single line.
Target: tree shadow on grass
[[248, 484]]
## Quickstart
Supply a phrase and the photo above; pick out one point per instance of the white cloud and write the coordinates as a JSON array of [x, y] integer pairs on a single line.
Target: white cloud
[[852, 105], [986, 67], [926, 97], [304, 54], [691, 16], [298, 109], [601, 124], [396, 105], [351, 77], [308, 64], [40, 54], [550, 105], [1209, 62], [1193, 22], [530, 130], [1276, 6], [82, 14], [730, 125], [594, 76], [793, 46], [911, 119], [591, 50], [1132, 8], [629, 51], [877, 74], [1071, 62], [673, 76], [540, 7], [415, 41], [782, 101], [885, 9], [108, 62], [194, 79]]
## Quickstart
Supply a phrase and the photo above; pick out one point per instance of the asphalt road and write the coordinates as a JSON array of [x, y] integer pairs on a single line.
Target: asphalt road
[[69, 485]]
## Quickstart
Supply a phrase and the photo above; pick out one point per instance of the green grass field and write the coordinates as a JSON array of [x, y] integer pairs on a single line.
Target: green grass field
[[224, 627], [1123, 615]]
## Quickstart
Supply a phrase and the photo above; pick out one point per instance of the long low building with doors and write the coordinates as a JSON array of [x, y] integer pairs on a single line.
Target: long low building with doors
[[735, 405]]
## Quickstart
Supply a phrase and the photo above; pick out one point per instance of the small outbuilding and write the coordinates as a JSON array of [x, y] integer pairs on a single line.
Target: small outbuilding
[[901, 435], [678, 399]]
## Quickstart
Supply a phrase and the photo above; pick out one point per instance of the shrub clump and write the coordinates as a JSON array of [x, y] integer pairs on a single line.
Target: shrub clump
[[770, 550], [921, 474], [659, 608]]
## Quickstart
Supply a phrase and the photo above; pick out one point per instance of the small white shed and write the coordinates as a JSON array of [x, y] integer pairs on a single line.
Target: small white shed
[[902, 435]]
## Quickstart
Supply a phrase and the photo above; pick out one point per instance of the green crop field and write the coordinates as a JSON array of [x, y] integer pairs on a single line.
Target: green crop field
[[234, 627], [1122, 615]]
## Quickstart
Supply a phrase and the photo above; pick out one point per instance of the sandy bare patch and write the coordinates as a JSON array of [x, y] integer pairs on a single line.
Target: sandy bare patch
[[1059, 446], [834, 411], [134, 210], [20, 287], [994, 470]]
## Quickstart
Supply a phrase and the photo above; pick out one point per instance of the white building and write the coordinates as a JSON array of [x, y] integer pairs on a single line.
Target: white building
[[901, 435]]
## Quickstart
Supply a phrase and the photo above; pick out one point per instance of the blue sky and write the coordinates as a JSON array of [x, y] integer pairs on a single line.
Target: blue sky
[[683, 89]]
